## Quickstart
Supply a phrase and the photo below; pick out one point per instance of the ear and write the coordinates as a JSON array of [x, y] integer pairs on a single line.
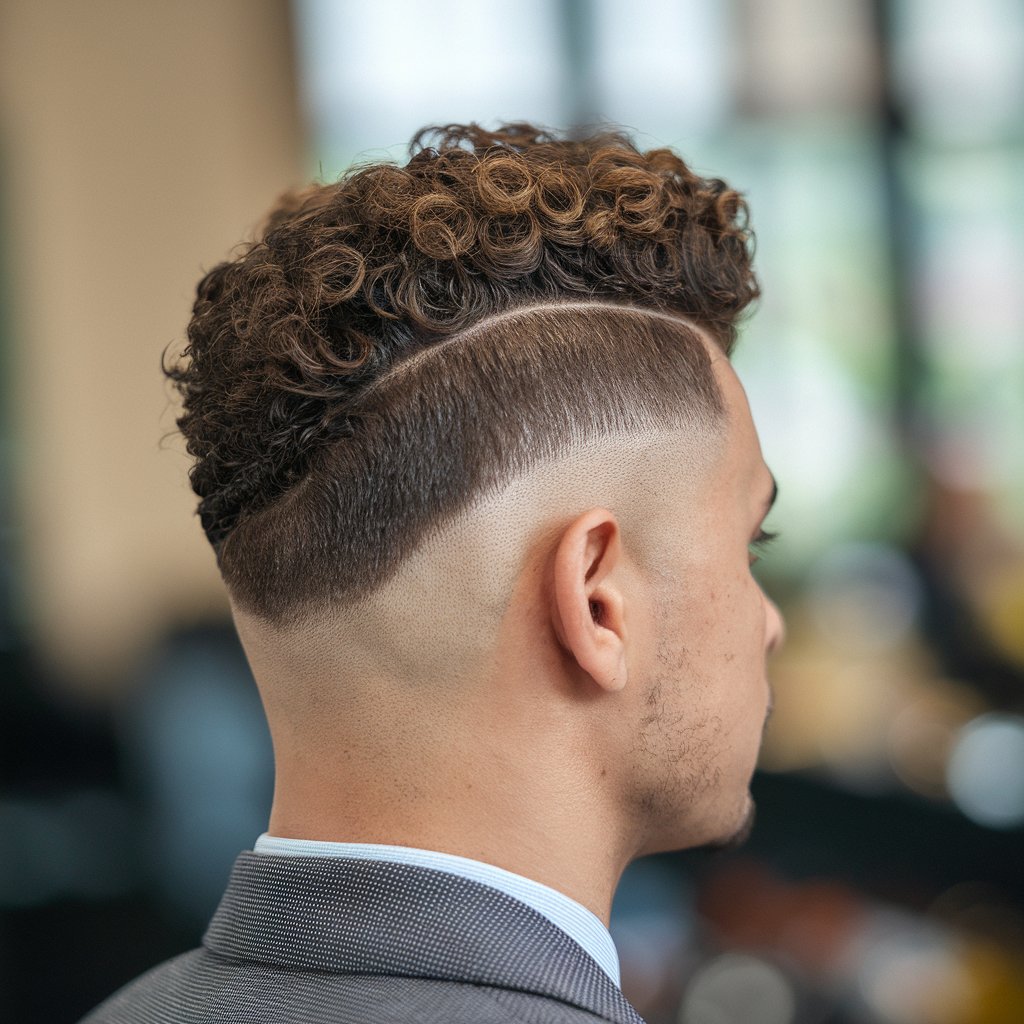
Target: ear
[[587, 606]]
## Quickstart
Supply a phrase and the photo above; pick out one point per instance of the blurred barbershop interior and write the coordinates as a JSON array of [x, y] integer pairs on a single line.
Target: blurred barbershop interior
[[880, 144]]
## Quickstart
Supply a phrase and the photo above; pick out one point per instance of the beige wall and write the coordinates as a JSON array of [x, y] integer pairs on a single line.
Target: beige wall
[[140, 141]]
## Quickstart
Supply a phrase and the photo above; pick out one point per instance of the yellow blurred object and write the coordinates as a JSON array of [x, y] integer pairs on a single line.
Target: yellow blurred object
[[834, 708], [922, 734], [1002, 611], [997, 985]]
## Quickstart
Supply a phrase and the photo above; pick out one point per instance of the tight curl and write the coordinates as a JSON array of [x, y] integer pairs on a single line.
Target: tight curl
[[347, 279]]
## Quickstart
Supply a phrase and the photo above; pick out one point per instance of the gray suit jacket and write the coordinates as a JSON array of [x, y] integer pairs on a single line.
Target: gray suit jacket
[[317, 940]]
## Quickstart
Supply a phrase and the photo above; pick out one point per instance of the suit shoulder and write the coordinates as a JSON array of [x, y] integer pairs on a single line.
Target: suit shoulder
[[201, 988], [131, 1001]]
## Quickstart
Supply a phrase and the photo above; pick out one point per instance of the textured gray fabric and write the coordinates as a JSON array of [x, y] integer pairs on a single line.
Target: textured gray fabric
[[313, 939]]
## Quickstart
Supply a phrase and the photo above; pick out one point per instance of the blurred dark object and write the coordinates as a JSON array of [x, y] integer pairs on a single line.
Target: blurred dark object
[[118, 826]]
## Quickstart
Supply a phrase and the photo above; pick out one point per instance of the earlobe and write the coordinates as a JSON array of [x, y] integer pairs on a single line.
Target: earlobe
[[587, 606]]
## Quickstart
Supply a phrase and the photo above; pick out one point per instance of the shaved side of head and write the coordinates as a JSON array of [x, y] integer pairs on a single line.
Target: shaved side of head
[[435, 621], [523, 388]]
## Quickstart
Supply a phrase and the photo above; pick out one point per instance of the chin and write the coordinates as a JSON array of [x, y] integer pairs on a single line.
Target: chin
[[729, 835], [739, 834]]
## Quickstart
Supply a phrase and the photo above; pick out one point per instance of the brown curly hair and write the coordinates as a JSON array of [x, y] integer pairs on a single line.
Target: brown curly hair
[[332, 411]]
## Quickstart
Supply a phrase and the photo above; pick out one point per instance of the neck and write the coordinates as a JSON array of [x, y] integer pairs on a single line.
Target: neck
[[510, 811]]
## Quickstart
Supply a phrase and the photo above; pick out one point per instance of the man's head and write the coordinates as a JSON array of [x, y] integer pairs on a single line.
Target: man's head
[[480, 478]]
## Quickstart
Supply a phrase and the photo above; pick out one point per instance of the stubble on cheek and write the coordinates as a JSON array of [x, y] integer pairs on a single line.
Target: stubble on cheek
[[686, 784], [675, 771]]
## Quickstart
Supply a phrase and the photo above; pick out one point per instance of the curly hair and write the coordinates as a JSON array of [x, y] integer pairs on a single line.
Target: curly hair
[[332, 413]]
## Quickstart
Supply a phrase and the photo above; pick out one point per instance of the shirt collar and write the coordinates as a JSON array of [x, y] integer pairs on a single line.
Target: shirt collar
[[584, 927]]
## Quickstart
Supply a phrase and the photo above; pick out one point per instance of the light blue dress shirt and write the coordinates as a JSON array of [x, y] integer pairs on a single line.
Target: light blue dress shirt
[[584, 927]]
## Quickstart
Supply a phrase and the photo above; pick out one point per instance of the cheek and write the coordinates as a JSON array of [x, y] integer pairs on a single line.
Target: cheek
[[739, 658], [735, 620], [715, 628]]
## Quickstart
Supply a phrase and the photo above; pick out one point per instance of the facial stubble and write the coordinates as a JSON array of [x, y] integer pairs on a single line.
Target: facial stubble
[[685, 768]]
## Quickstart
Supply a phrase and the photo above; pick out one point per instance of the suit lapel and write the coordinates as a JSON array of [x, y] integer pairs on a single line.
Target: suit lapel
[[368, 917]]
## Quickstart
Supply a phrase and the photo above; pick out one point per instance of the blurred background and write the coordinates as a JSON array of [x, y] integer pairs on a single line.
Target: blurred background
[[881, 147]]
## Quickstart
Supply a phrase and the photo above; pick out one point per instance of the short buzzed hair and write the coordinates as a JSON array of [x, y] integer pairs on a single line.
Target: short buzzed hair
[[398, 343]]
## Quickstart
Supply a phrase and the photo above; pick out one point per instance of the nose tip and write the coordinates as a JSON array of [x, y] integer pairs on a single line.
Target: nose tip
[[775, 633]]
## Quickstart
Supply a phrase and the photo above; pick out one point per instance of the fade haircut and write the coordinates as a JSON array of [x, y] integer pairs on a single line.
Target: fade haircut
[[395, 344]]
